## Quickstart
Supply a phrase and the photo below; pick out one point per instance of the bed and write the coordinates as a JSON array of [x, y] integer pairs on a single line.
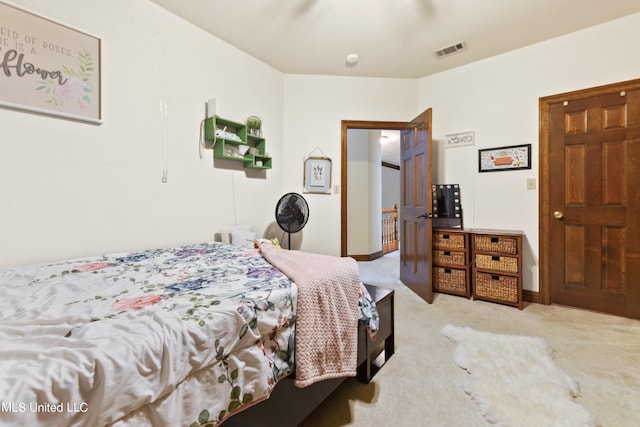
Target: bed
[[183, 336]]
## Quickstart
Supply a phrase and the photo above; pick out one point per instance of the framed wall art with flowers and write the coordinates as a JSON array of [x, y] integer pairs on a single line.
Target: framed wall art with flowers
[[317, 175], [47, 67]]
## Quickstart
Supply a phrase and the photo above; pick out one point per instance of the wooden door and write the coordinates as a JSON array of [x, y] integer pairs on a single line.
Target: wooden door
[[590, 222], [415, 211]]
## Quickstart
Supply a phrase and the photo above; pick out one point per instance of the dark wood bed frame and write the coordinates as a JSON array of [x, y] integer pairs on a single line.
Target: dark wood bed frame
[[298, 403]]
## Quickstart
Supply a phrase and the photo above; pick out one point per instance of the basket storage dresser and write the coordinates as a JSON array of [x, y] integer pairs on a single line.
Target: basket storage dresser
[[451, 266], [497, 266]]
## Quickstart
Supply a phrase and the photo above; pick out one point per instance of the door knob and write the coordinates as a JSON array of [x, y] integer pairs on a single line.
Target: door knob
[[426, 215], [558, 215]]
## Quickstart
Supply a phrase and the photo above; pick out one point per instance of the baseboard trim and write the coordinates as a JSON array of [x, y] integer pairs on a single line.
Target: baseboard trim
[[531, 296]]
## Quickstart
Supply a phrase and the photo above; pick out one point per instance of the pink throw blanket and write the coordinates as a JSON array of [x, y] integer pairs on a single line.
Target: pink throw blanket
[[326, 315]]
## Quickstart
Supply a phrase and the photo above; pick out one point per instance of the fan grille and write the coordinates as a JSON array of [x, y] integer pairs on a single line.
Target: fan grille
[[292, 212]]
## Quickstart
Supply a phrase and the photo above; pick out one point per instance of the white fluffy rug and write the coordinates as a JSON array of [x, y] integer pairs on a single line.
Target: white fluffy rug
[[514, 380]]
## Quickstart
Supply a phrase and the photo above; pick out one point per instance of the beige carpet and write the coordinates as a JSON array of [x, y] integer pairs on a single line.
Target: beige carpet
[[422, 386]]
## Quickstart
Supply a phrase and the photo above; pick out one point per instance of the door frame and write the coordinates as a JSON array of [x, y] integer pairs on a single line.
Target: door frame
[[544, 209], [346, 125]]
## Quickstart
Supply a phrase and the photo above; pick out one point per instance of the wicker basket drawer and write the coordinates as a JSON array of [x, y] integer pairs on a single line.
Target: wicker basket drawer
[[499, 263], [450, 257], [448, 241], [496, 287], [506, 245], [450, 280]]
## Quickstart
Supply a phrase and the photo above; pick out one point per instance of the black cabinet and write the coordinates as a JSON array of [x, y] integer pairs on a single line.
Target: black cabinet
[[378, 351]]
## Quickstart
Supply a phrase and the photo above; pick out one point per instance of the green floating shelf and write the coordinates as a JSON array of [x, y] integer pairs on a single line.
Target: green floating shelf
[[231, 141], [253, 162]]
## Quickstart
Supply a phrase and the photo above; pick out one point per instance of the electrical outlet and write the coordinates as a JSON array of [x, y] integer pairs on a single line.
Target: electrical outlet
[[336, 189], [531, 183]]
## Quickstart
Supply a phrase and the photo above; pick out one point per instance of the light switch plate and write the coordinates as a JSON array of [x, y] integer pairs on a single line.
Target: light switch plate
[[531, 183]]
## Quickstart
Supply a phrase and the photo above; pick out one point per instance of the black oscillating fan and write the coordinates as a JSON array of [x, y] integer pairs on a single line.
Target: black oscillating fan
[[292, 213]]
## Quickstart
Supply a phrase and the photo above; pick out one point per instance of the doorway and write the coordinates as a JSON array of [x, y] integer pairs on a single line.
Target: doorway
[[373, 192], [415, 204], [589, 208], [346, 127]]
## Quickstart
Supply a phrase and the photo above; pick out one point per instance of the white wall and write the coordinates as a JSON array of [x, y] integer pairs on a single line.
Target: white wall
[[498, 99], [390, 187], [314, 107], [73, 189], [364, 202], [358, 199], [375, 193]]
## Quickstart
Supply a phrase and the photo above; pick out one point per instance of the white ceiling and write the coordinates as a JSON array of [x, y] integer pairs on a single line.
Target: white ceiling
[[393, 38]]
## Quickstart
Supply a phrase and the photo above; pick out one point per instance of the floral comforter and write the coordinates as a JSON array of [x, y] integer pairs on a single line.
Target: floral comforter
[[183, 337]]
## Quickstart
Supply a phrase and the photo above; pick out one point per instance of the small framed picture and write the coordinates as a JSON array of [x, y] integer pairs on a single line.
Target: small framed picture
[[317, 175], [504, 158]]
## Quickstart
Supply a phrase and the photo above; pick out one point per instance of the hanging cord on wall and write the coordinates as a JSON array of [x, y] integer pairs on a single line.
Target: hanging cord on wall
[[315, 150], [165, 136], [233, 194], [164, 112], [202, 144], [201, 139]]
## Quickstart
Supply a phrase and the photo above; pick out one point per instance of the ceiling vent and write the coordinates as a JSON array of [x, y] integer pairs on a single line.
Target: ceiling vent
[[450, 50]]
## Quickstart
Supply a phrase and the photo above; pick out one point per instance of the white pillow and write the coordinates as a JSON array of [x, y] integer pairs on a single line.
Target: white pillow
[[243, 238], [225, 231]]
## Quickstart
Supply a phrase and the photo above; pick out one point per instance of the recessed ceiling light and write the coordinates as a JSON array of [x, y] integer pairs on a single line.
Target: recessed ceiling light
[[352, 59]]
